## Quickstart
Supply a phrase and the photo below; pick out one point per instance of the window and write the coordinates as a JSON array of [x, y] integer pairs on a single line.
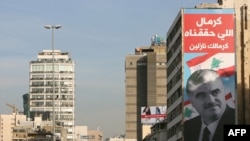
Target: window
[[37, 68]]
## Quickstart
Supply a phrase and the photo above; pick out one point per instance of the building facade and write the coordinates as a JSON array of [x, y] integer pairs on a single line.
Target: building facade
[[36, 130], [7, 123], [145, 74], [53, 79], [158, 132], [81, 133], [174, 79], [175, 66], [242, 29], [95, 135]]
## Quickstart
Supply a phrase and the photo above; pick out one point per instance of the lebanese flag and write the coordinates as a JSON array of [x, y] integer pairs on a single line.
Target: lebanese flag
[[189, 111], [223, 63]]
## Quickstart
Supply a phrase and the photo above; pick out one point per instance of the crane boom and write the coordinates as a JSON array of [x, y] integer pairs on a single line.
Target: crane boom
[[13, 107]]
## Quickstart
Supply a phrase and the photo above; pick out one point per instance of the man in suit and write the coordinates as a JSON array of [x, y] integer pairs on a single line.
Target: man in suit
[[206, 93]]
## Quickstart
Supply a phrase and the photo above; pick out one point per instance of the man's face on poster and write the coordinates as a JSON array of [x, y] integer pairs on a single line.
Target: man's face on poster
[[208, 98]]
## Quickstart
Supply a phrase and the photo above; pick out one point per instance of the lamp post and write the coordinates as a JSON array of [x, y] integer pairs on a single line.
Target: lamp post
[[52, 27]]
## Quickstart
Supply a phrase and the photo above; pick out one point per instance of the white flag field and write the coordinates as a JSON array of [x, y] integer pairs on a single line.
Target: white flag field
[[224, 64]]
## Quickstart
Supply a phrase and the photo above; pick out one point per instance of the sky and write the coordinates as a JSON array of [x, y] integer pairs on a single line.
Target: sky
[[97, 34]]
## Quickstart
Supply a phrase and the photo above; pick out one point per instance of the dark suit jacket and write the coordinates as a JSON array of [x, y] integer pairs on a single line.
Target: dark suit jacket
[[192, 127]]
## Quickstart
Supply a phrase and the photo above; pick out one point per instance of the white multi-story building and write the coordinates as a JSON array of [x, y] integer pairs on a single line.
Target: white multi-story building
[[48, 77]]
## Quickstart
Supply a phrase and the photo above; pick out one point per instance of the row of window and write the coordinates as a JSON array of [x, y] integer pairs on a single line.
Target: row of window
[[51, 78], [50, 104], [175, 46], [50, 75], [50, 90], [173, 65], [174, 80], [174, 97], [174, 31], [50, 83], [173, 131], [64, 118], [34, 97], [49, 67], [161, 64], [174, 113]]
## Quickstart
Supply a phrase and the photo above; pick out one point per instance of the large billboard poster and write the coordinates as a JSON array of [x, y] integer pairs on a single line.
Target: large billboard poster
[[209, 72], [152, 114]]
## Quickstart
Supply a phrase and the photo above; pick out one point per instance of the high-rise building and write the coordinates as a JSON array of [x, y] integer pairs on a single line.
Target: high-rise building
[[48, 78], [230, 14], [145, 74], [26, 109]]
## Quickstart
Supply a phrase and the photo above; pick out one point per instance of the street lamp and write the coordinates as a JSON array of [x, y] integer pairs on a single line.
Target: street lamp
[[52, 27]]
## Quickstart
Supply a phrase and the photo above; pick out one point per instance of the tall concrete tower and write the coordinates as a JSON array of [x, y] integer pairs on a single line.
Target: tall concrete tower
[[41, 89], [145, 73]]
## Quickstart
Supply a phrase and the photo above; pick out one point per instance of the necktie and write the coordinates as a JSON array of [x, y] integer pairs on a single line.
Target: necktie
[[205, 136]]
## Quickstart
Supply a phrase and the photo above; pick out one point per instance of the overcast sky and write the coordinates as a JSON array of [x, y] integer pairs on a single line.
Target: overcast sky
[[97, 34]]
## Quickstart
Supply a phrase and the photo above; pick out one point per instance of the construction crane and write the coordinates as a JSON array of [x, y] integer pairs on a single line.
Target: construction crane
[[14, 108]]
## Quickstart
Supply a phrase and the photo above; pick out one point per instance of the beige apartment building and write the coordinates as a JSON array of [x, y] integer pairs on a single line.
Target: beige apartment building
[[37, 130], [81, 133], [145, 76], [15, 127], [95, 135], [7, 122]]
